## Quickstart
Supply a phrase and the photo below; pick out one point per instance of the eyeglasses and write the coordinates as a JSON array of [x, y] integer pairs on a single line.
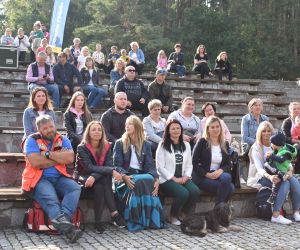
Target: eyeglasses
[[131, 70]]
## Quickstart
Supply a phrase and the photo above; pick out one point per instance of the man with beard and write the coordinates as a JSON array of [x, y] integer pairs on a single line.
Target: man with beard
[[135, 90], [113, 120], [45, 178]]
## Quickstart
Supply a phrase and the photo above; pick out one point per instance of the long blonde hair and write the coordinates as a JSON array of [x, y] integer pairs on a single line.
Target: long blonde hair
[[263, 126], [210, 120], [139, 135], [85, 108], [87, 140]]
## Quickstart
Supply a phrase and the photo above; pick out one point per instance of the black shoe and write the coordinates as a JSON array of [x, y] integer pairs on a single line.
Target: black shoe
[[62, 224], [119, 221], [73, 235], [99, 229]]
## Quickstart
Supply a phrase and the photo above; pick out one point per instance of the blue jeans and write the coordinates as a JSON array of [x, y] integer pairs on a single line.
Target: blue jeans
[[52, 90], [50, 190], [180, 70], [94, 95], [222, 187], [292, 185]]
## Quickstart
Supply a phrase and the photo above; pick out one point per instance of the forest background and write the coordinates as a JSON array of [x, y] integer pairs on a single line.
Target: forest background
[[260, 36]]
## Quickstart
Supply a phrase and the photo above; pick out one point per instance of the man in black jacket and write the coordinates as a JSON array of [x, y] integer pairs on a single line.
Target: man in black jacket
[[136, 92], [113, 120]]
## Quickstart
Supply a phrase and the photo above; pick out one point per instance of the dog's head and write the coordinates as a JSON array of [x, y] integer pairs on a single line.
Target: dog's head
[[223, 212]]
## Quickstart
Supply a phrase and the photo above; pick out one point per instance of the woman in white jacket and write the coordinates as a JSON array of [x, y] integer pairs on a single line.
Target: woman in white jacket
[[174, 165], [22, 42]]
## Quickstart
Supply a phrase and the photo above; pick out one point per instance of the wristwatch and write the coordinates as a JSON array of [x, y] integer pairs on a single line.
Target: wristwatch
[[47, 155]]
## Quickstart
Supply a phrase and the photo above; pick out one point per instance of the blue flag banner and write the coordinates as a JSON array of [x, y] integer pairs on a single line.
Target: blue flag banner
[[58, 20]]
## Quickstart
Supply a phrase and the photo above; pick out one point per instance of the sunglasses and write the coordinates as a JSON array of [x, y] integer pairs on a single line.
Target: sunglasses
[[162, 71], [131, 70]]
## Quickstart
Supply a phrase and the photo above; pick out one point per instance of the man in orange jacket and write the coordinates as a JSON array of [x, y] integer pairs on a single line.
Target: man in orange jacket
[[45, 176]]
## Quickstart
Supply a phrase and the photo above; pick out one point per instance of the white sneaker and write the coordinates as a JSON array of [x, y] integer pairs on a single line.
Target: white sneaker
[[281, 220], [175, 222], [242, 180], [297, 216]]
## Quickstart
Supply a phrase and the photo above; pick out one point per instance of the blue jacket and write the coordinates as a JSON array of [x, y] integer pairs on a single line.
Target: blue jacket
[[249, 127], [114, 77], [64, 74], [139, 54], [29, 117], [121, 160]]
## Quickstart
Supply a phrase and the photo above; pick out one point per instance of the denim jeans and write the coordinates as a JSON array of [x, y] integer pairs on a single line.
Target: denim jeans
[[50, 190], [94, 95], [222, 187], [52, 90], [292, 185], [180, 70]]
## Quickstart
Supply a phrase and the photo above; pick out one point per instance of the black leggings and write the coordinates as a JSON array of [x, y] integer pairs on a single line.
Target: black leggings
[[103, 194], [202, 68]]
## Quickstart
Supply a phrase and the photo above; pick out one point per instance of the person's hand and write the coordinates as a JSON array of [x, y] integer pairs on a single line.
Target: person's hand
[[76, 88], [275, 179], [177, 180], [268, 154], [185, 179], [218, 173], [186, 138], [129, 104], [142, 100], [289, 174], [67, 89], [173, 61], [40, 78], [165, 109], [116, 175], [129, 182], [156, 187], [89, 182]]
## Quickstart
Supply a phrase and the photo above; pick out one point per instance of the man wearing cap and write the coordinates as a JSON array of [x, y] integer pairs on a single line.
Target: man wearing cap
[[135, 90], [176, 61], [159, 89]]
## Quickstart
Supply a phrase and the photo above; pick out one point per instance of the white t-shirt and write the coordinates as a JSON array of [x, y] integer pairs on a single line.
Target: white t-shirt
[[134, 57], [216, 157], [91, 75], [81, 62], [41, 112], [134, 162], [79, 126], [266, 149]]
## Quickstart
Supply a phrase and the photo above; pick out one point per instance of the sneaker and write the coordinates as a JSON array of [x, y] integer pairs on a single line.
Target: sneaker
[[242, 180], [99, 229], [297, 216], [73, 235], [175, 221], [61, 223], [281, 220], [119, 221]]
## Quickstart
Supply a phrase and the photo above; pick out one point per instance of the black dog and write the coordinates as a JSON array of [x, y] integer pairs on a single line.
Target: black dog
[[216, 220]]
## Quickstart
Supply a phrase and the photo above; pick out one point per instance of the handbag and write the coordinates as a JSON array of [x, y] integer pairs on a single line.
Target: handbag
[[245, 149], [235, 168]]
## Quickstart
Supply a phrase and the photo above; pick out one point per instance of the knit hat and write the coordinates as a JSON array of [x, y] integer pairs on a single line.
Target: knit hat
[[278, 139]]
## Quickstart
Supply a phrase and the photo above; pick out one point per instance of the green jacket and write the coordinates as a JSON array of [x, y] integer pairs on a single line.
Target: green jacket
[[282, 157], [166, 98]]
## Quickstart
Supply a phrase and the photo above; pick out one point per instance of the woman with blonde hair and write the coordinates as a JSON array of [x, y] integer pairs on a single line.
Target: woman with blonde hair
[[76, 118], [258, 177], [39, 104], [133, 158], [223, 66], [95, 170], [90, 80], [51, 59], [137, 58], [211, 162], [287, 125]]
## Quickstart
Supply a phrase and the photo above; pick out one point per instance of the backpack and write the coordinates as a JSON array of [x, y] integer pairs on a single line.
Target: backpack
[[263, 208], [36, 220]]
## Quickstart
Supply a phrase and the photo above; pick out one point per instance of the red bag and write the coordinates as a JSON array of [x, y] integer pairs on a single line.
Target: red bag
[[36, 220]]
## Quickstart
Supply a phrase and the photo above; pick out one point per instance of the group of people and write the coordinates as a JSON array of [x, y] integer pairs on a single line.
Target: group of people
[[77, 54]]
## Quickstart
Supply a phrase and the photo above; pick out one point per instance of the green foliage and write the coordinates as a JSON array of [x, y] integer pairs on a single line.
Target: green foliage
[[261, 37]]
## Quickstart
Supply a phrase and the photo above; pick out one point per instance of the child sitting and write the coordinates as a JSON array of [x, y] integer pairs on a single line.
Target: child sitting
[[125, 57], [279, 161], [99, 58], [296, 131]]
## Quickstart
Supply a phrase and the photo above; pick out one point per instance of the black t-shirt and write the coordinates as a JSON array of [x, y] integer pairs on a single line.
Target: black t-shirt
[[178, 160], [199, 58]]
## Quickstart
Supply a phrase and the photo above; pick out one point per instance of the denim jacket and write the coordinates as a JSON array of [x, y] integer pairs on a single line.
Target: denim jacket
[[29, 117], [139, 54], [121, 160], [249, 127]]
